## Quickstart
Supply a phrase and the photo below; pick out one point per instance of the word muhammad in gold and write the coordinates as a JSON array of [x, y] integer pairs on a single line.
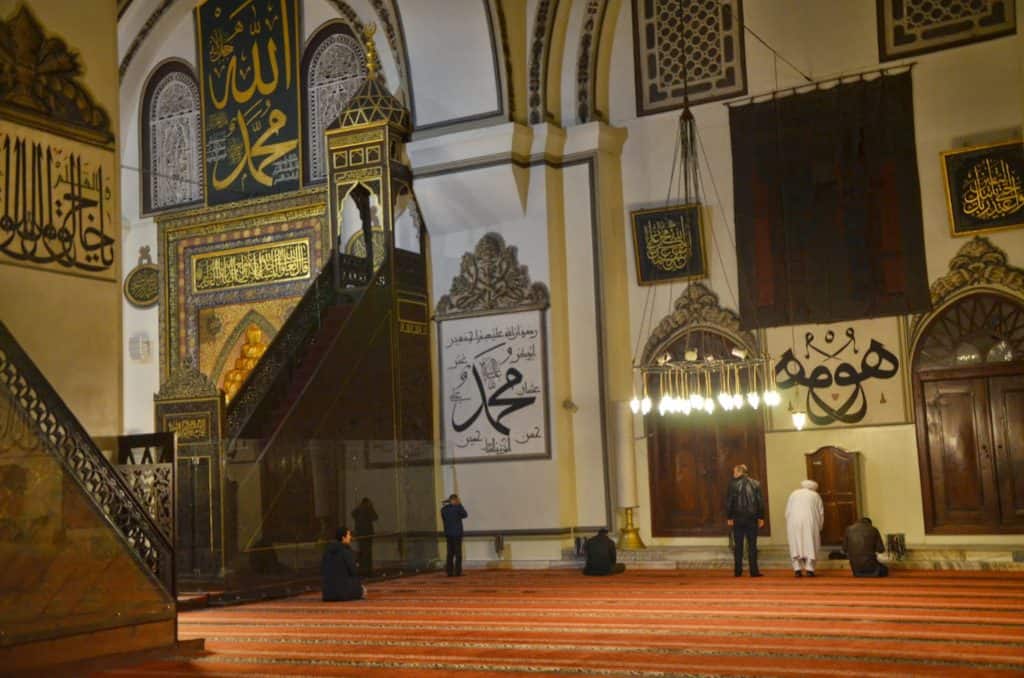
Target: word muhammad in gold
[[274, 262], [248, 67], [669, 245], [991, 190], [56, 203]]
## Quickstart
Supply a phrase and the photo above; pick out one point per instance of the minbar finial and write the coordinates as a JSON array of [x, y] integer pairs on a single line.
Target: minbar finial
[[372, 65]]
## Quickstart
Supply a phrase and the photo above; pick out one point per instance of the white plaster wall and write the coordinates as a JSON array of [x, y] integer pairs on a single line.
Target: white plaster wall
[[957, 93], [452, 60]]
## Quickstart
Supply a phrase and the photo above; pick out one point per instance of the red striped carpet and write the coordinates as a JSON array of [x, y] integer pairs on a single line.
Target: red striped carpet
[[641, 623]]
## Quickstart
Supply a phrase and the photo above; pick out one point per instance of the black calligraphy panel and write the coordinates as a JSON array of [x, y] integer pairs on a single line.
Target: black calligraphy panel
[[983, 187], [249, 76], [669, 245], [56, 202]]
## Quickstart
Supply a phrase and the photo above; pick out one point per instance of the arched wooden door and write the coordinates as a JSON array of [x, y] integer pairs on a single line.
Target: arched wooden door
[[969, 400], [690, 457]]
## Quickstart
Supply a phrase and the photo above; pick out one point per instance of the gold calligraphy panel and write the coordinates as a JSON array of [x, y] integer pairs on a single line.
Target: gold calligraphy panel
[[249, 76], [244, 266], [56, 203], [669, 244], [985, 187], [190, 428]]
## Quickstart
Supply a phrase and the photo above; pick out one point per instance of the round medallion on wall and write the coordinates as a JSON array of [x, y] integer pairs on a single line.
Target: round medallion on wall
[[142, 284]]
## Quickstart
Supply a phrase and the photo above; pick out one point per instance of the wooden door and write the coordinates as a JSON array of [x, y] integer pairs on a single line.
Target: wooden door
[[964, 494], [691, 460], [835, 470], [1006, 395]]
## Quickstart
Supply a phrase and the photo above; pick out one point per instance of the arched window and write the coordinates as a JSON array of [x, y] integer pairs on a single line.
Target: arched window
[[333, 68], [172, 160]]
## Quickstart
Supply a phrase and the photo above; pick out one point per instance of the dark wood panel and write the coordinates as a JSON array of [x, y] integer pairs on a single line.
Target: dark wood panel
[[835, 470], [962, 478], [1006, 395], [691, 460]]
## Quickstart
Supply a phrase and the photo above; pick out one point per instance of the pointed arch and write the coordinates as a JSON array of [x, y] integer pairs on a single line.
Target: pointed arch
[[169, 131]]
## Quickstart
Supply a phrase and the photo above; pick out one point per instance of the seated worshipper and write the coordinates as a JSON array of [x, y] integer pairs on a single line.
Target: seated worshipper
[[805, 514], [861, 542], [338, 570], [601, 556]]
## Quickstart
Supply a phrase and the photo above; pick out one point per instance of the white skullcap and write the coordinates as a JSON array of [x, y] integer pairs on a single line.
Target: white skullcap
[[808, 484]]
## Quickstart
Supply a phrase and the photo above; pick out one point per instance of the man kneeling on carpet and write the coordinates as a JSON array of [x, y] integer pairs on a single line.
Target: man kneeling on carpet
[[861, 542], [601, 555], [338, 570]]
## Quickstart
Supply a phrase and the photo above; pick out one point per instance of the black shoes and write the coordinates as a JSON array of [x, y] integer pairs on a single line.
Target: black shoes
[[810, 573], [756, 574], [798, 573]]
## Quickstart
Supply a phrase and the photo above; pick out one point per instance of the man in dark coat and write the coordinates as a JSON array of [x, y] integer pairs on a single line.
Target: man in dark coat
[[452, 514], [364, 515], [601, 556], [338, 570], [861, 542], [745, 513]]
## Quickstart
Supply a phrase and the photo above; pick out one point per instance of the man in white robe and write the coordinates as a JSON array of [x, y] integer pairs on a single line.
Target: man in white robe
[[805, 515]]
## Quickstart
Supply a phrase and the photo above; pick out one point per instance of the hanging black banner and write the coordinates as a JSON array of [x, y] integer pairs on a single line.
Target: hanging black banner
[[249, 76]]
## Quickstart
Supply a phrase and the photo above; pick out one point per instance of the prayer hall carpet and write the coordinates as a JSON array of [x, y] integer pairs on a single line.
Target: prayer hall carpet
[[641, 623]]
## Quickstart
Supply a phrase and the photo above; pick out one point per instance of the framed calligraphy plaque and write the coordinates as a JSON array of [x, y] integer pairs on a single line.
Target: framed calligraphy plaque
[[494, 387], [248, 55], [984, 190], [668, 244]]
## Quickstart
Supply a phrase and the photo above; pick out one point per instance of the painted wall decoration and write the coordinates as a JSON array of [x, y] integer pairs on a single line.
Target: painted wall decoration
[[907, 27], [56, 203], [841, 374], [714, 68], [984, 187], [248, 73], [668, 244], [493, 359], [494, 387]]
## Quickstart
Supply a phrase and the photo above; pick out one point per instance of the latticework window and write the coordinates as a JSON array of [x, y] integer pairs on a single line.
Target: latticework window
[[979, 328], [171, 146], [335, 70]]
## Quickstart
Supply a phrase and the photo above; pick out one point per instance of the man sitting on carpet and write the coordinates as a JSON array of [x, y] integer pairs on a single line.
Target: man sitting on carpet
[[861, 542], [338, 570], [601, 556]]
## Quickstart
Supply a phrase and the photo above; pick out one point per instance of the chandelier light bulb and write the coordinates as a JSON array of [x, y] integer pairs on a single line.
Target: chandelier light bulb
[[799, 420], [772, 398], [685, 406], [725, 400], [663, 405], [696, 401], [645, 405], [709, 405], [753, 399], [737, 401], [634, 405]]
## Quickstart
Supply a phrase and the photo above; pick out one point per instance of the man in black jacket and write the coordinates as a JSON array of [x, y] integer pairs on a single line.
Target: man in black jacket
[[861, 542], [338, 570], [745, 513], [601, 555], [452, 513]]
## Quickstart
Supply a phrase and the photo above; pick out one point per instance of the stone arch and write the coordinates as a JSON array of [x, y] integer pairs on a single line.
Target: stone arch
[[697, 309], [978, 267]]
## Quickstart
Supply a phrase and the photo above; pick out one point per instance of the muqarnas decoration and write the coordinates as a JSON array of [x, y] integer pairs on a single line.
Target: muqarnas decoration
[[984, 187], [669, 244], [908, 27]]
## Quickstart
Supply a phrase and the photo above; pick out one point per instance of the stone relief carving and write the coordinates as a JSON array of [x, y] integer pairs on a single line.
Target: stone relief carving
[[491, 278], [40, 86], [978, 263], [697, 307], [336, 70], [175, 160]]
